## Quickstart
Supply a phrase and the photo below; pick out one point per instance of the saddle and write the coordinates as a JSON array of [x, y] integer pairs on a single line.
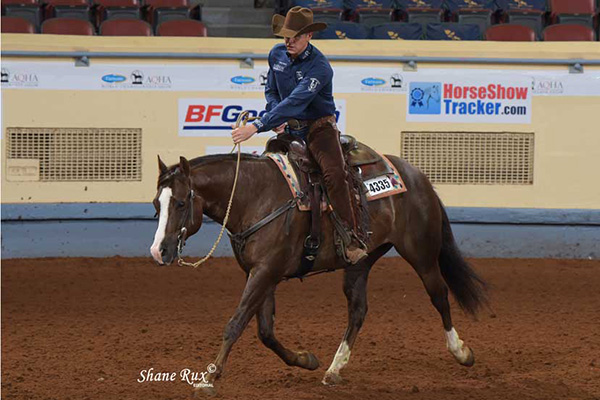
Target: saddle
[[364, 164]]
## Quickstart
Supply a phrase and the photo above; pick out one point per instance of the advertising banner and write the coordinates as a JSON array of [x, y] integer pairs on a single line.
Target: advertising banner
[[229, 77], [212, 117], [477, 100]]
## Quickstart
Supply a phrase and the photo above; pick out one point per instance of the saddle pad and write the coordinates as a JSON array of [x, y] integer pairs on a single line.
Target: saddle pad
[[379, 187]]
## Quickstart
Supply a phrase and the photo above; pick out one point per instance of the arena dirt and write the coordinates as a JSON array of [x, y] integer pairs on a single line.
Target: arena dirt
[[75, 329]]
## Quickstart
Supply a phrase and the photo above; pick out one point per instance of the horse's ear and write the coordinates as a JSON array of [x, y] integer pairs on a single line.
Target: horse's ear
[[185, 166], [162, 168]]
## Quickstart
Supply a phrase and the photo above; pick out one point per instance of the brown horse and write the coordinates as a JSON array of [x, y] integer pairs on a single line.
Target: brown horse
[[414, 223]]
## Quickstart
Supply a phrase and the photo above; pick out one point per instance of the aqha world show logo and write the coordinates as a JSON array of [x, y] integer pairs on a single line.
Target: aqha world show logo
[[19, 79], [395, 83], [136, 79]]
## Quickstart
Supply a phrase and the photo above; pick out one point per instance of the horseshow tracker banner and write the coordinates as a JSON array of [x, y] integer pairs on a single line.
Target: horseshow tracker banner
[[478, 100]]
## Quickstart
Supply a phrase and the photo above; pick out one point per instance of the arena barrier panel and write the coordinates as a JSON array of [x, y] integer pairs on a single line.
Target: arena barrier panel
[[504, 139]]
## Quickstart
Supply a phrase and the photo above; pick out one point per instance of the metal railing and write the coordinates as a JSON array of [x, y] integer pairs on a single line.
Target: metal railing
[[83, 57]]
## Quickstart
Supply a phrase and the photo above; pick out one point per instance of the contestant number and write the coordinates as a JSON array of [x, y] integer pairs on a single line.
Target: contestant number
[[379, 185]]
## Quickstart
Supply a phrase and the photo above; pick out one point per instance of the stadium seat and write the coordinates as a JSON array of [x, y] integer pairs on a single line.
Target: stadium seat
[[67, 26], [568, 33], [373, 12], [397, 31], [318, 3], [328, 11], [125, 27], [16, 25], [158, 11], [187, 27], [79, 9], [328, 15], [117, 9], [453, 31], [525, 12], [27, 9], [422, 11], [478, 12], [343, 30], [510, 33], [573, 12]]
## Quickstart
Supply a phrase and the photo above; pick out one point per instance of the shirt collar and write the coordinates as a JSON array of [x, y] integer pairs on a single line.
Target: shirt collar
[[304, 55]]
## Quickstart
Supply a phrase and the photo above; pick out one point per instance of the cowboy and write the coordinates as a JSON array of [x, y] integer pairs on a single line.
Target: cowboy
[[299, 93]]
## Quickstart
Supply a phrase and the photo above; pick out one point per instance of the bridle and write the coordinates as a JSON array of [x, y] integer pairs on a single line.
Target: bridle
[[187, 215], [242, 119]]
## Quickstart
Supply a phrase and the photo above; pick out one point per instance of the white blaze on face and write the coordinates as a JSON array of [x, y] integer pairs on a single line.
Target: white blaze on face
[[163, 217], [342, 356], [455, 345]]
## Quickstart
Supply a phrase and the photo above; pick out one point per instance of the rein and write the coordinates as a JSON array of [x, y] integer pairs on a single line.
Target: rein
[[242, 119]]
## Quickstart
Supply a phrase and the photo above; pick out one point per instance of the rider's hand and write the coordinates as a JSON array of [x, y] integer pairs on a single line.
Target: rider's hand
[[243, 133], [279, 129]]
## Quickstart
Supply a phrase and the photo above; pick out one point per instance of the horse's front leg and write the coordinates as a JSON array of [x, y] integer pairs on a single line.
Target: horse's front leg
[[260, 282], [266, 322], [355, 289]]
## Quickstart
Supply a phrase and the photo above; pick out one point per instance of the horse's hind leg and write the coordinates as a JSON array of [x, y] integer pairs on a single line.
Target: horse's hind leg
[[355, 289], [425, 263], [266, 320]]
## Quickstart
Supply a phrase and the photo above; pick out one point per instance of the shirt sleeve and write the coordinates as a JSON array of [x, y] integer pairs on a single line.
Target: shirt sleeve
[[271, 91], [293, 105]]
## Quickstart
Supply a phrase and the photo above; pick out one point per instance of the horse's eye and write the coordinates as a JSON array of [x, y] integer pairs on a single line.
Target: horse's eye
[[180, 204]]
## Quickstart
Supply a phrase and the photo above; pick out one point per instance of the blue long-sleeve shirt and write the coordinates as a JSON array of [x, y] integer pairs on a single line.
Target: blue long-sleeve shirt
[[300, 88]]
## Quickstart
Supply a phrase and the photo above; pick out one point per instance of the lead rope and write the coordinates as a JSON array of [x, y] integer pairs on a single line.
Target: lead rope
[[242, 119]]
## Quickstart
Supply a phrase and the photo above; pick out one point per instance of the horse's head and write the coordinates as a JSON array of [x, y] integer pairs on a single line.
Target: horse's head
[[179, 210]]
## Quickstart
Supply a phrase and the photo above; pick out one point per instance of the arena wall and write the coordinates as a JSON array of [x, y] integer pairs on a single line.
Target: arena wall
[[546, 203]]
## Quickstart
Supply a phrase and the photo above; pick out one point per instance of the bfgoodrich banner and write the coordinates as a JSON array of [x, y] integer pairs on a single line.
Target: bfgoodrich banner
[[210, 117], [478, 100]]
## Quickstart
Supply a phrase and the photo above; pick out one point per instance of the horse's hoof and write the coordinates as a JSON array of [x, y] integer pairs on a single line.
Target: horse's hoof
[[331, 379], [308, 360], [203, 392], [469, 360]]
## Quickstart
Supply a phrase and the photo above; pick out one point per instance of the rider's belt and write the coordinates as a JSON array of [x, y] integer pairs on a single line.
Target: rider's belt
[[299, 124], [327, 120]]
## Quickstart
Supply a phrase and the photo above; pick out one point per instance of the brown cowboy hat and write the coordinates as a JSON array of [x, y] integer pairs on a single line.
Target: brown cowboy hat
[[298, 21]]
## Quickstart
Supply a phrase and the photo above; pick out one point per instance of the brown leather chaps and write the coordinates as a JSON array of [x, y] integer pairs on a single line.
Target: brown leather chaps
[[324, 145]]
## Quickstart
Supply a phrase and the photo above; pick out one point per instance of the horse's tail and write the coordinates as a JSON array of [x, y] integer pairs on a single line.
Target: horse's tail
[[468, 288]]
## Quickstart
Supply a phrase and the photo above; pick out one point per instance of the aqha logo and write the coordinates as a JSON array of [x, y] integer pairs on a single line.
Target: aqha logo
[[139, 78], [547, 86], [19, 79]]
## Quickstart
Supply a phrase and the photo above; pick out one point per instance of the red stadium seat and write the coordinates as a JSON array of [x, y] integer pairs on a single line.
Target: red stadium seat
[[27, 9], [68, 9], [125, 27], [568, 33], [16, 25], [67, 26], [510, 33], [117, 9], [181, 27], [573, 12], [158, 11]]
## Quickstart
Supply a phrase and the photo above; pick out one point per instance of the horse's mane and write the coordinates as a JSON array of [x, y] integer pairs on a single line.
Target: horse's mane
[[201, 161]]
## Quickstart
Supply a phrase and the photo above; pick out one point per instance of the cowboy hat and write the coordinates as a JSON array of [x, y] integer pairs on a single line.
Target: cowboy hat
[[298, 21]]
